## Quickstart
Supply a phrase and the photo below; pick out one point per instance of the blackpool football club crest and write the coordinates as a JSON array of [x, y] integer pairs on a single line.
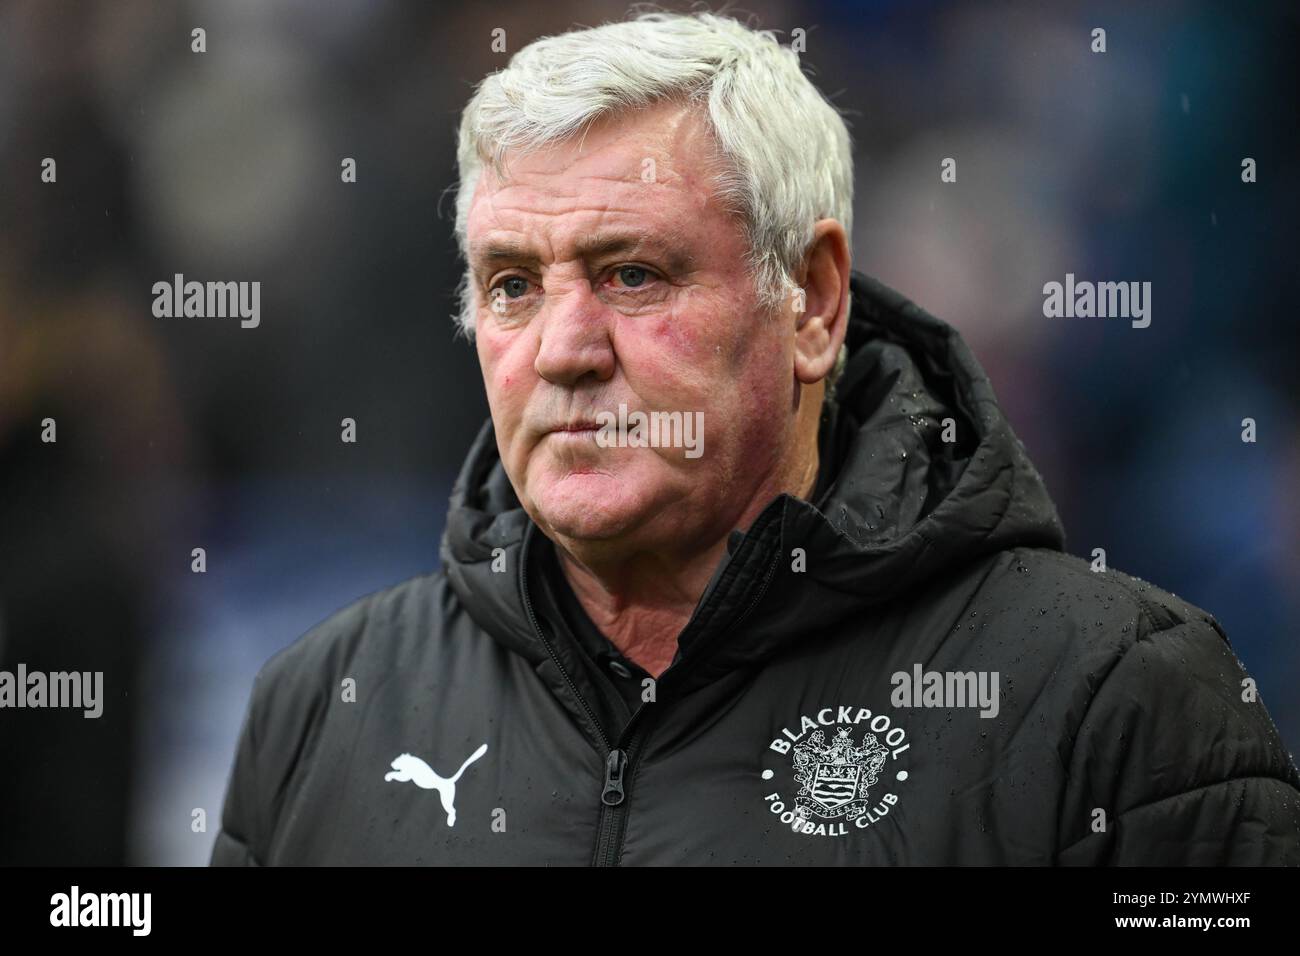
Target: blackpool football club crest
[[845, 768], [835, 778]]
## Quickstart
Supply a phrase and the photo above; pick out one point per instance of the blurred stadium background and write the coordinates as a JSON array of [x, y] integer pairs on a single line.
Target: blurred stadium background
[[176, 434]]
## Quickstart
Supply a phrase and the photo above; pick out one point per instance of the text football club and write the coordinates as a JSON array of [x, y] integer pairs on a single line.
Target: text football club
[[837, 779]]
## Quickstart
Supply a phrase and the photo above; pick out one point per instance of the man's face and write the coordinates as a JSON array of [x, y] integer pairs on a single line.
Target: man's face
[[607, 273]]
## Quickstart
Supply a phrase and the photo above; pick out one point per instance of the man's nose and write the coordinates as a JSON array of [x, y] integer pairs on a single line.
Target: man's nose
[[574, 337]]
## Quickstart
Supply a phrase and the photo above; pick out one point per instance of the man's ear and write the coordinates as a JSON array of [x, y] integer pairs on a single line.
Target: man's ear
[[821, 326]]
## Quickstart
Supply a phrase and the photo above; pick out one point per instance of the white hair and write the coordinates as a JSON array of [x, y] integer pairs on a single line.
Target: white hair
[[786, 152]]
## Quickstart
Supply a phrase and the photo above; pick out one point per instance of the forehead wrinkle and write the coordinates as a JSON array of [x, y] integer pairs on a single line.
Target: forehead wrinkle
[[589, 242], [568, 181]]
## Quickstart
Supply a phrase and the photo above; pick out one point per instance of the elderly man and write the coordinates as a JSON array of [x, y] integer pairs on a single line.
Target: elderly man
[[748, 566]]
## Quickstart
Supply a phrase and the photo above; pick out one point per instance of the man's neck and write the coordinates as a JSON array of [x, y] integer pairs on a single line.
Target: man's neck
[[643, 603], [644, 608]]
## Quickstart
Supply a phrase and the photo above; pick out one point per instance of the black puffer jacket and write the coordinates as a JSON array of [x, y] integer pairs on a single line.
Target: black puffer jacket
[[480, 734]]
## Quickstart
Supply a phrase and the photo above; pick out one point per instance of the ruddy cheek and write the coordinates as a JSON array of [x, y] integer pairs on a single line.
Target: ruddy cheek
[[671, 333], [501, 364]]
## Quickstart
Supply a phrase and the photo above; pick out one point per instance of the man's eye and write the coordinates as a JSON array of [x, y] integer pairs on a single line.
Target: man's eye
[[632, 276], [514, 286]]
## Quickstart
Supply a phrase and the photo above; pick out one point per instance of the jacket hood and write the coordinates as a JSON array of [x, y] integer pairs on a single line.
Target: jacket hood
[[900, 506]]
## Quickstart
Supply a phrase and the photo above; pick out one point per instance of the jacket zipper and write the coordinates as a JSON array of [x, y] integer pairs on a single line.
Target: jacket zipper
[[619, 764], [611, 826]]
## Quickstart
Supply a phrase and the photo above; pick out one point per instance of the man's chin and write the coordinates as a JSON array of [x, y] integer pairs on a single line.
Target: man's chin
[[588, 506]]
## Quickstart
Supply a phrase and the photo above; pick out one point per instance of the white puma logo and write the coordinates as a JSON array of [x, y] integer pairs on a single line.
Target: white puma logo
[[408, 767]]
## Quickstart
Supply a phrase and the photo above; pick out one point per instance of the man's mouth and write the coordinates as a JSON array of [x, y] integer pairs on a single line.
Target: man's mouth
[[575, 428]]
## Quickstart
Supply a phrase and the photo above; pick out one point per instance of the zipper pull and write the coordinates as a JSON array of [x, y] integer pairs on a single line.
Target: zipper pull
[[612, 795]]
